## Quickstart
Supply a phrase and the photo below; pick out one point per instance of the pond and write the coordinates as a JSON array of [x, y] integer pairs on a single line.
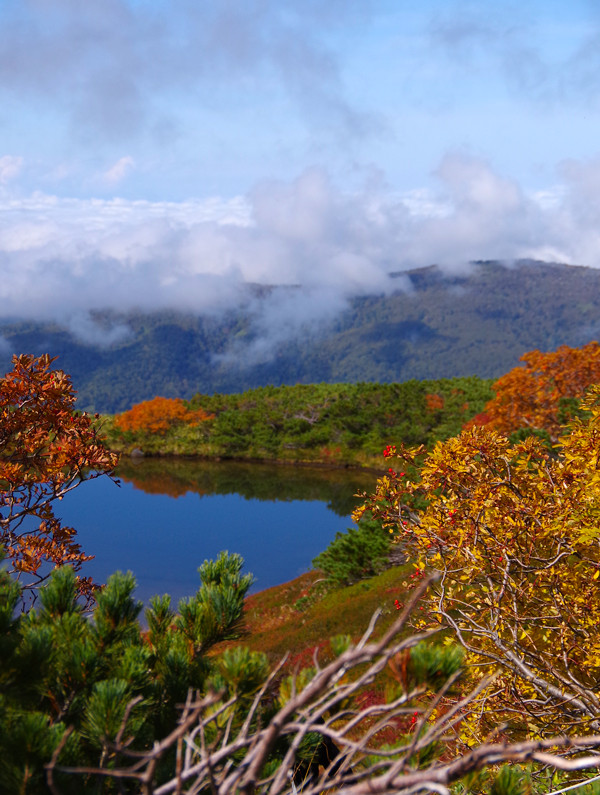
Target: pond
[[168, 516]]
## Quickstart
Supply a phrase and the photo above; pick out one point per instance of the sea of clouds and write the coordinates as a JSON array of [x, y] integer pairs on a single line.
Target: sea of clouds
[[64, 258]]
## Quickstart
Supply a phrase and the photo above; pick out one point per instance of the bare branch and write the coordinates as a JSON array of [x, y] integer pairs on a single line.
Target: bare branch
[[227, 748]]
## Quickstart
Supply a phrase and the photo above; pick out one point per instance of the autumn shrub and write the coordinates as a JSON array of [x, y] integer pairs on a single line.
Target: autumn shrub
[[513, 530], [158, 415], [434, 402], [544, 392]]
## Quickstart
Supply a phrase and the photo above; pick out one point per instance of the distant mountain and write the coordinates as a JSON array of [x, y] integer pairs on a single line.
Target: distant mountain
[[439, 325]]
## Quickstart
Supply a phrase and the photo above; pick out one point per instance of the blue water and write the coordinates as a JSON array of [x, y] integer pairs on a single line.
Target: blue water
[[163, 539]]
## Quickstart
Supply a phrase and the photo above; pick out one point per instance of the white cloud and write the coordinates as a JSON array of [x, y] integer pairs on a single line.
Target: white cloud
[[118, 171], [10, 167], [65, 258], [90, 330]]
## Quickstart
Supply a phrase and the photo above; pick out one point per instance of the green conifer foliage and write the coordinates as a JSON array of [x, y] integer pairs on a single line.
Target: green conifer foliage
[[105, 678], [360, 552]]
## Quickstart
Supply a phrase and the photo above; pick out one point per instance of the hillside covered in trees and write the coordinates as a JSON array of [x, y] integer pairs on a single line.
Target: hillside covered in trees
[[437, 325], [337, 424]]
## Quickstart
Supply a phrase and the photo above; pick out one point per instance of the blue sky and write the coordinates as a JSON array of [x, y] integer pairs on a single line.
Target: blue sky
[[163, 153]]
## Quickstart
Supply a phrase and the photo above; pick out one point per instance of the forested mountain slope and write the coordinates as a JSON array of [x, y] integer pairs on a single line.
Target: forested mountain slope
[[475, 323]]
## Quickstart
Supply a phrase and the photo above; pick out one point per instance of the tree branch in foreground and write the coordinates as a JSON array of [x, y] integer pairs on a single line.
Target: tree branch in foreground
[[217, 754]]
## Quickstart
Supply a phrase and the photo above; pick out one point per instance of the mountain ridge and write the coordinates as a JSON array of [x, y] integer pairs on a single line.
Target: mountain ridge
[[473, 322]]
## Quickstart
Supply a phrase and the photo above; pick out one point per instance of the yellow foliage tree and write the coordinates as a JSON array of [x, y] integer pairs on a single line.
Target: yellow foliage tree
[[515, 533]]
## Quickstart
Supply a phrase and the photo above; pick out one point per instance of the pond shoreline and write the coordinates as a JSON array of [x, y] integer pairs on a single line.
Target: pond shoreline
[[317, 464]]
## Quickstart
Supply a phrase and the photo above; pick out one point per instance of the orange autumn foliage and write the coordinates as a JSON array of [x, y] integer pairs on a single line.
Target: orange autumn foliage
[[158, 415], [46, 450], [537, 395], [434, 402]]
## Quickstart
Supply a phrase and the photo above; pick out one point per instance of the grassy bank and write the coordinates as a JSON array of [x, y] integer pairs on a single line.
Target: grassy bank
[[300, 616]]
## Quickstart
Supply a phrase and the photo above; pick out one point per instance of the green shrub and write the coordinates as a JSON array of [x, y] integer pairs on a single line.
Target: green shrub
[[360, 552], [104, 675]]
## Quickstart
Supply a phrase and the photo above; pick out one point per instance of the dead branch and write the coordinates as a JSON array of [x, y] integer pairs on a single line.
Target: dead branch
[[226, 754]]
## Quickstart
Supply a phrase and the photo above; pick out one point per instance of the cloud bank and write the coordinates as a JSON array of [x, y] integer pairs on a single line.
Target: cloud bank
[[319, 246]]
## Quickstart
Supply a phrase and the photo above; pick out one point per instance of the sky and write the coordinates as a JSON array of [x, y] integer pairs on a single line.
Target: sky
[[159, 154]]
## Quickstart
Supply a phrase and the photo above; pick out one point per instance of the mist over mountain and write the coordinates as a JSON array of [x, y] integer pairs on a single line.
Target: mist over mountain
[[436, 324]]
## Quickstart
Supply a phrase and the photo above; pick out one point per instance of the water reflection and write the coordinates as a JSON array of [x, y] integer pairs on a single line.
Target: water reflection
[[179, 476], [170, 515]]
